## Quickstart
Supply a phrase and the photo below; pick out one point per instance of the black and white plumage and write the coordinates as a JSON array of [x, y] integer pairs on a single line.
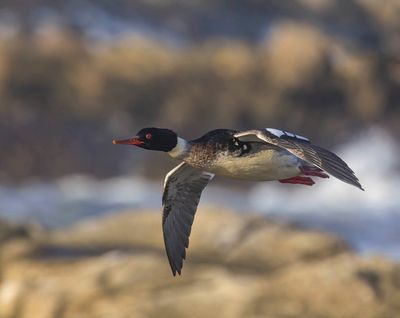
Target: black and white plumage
[[260, 155]]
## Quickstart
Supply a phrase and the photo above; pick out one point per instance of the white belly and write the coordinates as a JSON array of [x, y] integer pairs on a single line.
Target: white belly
[[266, 165]]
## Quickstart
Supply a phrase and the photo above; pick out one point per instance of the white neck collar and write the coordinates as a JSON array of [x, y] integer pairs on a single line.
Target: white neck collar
[[181, 149]]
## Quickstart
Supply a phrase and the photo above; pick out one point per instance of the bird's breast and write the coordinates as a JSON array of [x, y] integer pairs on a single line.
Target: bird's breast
[[264, 165]]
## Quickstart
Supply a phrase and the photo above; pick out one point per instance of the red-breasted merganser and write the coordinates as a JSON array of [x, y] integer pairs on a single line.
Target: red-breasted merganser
[[259, 155]]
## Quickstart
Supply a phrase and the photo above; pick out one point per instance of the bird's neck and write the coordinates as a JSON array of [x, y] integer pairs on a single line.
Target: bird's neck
[[181, 149]]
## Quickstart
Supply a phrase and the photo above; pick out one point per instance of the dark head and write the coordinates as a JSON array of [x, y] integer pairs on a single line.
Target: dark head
[[153, 139]]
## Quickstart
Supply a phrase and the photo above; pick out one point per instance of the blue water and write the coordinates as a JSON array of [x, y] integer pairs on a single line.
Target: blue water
[[369, 221]]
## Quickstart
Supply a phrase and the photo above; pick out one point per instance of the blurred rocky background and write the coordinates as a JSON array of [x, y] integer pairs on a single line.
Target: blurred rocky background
[[76, 74], [253, 268]]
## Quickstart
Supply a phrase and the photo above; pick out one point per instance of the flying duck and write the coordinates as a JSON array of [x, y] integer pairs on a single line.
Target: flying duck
[[266, 154]]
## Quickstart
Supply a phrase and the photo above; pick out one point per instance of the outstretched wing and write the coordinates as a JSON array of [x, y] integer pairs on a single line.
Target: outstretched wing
[[303, 149], [182, 190]]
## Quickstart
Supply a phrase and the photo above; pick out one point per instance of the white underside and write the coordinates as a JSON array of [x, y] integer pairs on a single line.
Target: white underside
[[267, 165]]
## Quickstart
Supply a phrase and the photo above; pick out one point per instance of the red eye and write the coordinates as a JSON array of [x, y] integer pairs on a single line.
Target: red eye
[[148, 136]]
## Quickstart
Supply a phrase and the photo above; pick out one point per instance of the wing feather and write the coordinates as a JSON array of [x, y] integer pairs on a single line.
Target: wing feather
[[182, 190], [303, 149]]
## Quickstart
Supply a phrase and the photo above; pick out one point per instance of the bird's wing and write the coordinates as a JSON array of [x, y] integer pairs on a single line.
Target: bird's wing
[[303, 149], [182, 190]]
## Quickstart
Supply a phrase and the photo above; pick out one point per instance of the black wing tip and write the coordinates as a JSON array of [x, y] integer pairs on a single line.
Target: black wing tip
[[360, 187], [176, 266], [175, 270], [338, 168], [355, 183]]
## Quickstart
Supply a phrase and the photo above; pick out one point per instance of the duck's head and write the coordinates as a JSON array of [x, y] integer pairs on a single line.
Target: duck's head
[[152, 139]]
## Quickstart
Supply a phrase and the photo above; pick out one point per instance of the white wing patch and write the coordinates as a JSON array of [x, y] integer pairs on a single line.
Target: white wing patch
[[279, 133]]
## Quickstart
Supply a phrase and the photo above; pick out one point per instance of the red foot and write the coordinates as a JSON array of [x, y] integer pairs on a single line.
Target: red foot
[[298, 180], [313, 171]]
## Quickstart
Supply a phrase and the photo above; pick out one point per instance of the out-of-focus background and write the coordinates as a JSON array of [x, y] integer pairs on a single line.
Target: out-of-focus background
[[80, 232]]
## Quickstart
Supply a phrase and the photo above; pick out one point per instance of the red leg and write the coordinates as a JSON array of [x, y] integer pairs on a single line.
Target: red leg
[[313, 171], [298, 180]]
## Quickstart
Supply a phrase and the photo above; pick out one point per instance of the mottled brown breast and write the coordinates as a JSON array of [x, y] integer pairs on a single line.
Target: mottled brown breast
[[203, 155]]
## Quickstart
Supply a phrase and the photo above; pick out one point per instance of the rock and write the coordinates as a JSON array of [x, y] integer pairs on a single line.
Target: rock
[[238, 266], [10, 295], [330, 288], [10, 231], [17, 240], [217, 236]]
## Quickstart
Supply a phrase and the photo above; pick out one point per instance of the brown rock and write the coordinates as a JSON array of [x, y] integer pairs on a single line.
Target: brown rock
[[239, 266], [342, 286], [217, 237]]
